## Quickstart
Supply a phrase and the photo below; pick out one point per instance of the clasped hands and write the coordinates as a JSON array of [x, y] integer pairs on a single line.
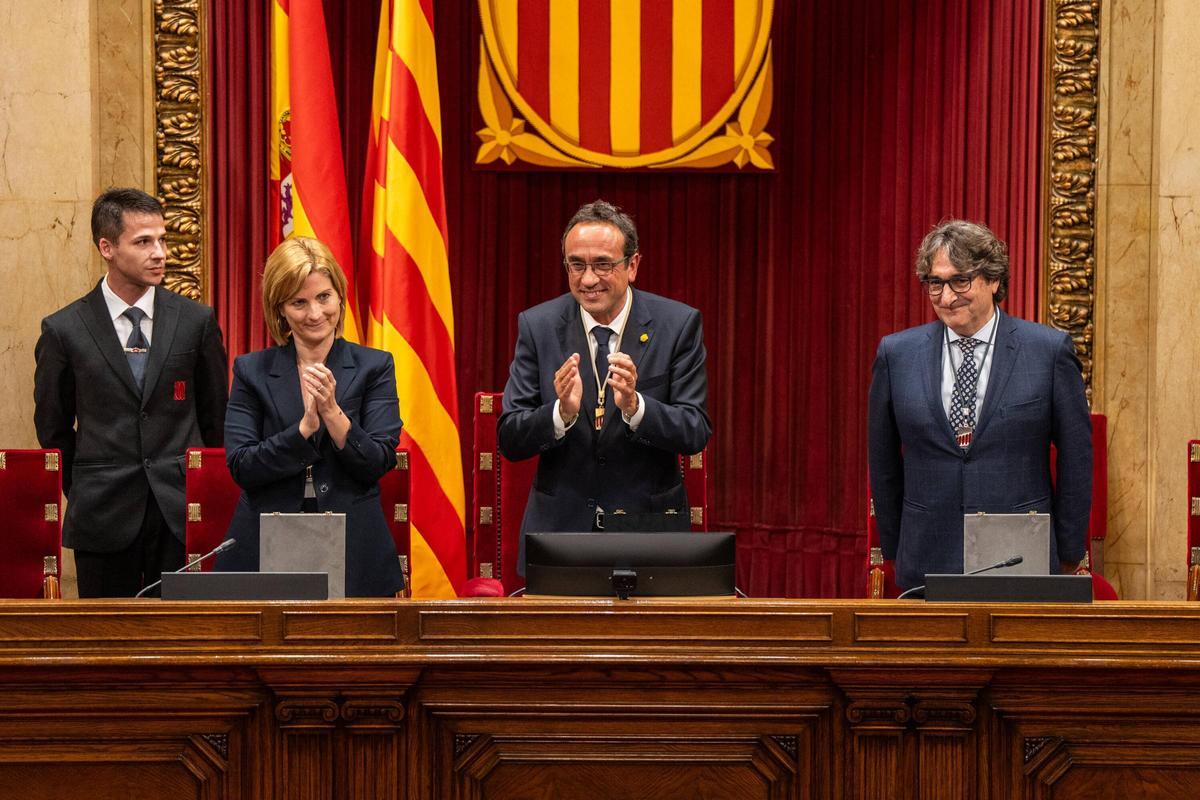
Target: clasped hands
[[318, 388], [622, 376]]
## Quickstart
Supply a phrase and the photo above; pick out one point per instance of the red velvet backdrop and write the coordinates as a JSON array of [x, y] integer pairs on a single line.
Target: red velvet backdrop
[[889, 116]]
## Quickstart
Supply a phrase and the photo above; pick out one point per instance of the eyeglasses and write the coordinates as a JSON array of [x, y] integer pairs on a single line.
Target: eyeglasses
[[958, 284], [601, 268]]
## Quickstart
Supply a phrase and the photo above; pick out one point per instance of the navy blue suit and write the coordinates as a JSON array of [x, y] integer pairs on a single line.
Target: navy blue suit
[[268, 457], [616, 467], [923, 483]]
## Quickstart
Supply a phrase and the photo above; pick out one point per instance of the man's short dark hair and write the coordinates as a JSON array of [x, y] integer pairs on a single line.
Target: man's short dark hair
[[108, 212], [971, 247], [602, 211]]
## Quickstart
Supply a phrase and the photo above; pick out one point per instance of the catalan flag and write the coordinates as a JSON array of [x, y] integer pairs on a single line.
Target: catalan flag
[[404, 285], [307, 172]]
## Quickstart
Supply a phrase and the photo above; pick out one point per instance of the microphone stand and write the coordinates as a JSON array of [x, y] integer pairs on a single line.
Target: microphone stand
[[1008, 562], [228, 544]]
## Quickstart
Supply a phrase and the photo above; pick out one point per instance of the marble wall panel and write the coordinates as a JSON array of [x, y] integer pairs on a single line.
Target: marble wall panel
[[1175, 292], [46, 178], [123, 108], [1124, 271]]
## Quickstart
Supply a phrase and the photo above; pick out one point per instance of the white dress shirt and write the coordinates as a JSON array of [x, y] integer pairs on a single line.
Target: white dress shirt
[[116, 310], [952, 356], [617, 326]]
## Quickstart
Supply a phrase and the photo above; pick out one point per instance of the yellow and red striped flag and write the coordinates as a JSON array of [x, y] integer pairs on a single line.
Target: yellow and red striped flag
[[404, 285], [307, 171]]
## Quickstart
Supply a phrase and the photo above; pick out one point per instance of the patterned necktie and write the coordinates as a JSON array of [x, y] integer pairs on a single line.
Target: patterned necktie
[[137, 349], [962, 399]]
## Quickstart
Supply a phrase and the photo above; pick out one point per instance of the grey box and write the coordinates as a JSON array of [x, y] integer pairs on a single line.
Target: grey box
[[305, 543], [991, 538]]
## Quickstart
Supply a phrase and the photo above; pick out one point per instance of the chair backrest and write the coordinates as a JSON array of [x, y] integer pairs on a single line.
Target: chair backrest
[[501, 490], [1193, 523], [31, 543], [395, 491], [881, 577], [212, 496]]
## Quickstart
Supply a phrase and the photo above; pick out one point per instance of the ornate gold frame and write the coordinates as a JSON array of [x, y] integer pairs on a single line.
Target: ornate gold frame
[[180, 140], [1070, 154]]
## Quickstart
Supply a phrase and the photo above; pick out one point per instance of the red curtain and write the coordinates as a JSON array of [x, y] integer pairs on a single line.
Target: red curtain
[[889, 116]]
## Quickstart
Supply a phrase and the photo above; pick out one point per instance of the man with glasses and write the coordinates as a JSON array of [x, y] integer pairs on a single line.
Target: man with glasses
[[607, 386], [962, 413]]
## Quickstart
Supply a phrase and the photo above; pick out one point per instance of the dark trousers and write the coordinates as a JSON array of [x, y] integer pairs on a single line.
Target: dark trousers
[[125, 572]]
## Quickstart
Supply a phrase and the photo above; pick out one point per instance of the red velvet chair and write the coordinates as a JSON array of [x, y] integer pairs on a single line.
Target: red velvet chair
[[501, 489], [395, 492], [1193, 524], [31, 544], [212, 497], [881, 577]]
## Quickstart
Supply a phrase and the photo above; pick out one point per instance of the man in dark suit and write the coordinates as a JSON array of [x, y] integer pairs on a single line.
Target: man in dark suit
[[607, 386], [962, 413], [128, 377]]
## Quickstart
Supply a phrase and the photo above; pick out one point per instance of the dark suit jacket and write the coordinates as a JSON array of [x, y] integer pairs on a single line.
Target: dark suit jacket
[[616, 467], [119, 444], [923, 483], [268, 457]]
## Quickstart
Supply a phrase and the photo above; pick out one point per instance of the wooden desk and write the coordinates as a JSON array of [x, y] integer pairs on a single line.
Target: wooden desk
[[495, 698]]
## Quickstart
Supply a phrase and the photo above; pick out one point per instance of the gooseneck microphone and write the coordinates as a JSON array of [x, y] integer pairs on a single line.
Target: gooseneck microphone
[[1008, 562], [228, 544]]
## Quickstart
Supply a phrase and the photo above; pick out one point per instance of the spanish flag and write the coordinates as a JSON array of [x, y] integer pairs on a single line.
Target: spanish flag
[[404, 285], [308, 176]]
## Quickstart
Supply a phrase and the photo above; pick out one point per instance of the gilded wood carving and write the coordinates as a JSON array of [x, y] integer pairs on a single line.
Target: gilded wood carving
[[180, 75], [1069, 206]]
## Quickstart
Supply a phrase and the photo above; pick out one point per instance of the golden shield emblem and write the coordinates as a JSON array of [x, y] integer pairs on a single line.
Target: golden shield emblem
[[626, 84]]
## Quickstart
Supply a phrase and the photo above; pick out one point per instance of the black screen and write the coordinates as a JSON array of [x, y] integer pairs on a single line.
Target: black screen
[[665, 564]]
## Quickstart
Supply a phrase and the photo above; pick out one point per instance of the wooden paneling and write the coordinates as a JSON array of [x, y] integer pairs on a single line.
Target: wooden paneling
[[550, 698]]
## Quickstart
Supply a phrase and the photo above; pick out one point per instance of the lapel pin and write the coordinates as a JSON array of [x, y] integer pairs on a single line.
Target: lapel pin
[[645, 337]]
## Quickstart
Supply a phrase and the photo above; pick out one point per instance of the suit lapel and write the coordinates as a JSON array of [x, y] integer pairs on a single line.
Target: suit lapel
[[99, 325], [344, 368], [283, 384], [932, 359], [1004, 358], [574, 340], [166, 321]]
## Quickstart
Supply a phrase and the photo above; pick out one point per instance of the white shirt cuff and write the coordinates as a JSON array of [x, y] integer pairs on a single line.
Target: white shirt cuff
[[560, 430], [636, 419]]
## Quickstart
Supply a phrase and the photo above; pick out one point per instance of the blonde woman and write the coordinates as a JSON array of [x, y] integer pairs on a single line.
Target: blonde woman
[[312, 424]]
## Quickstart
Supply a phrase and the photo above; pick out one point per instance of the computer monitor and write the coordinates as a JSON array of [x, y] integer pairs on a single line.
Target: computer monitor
[[629, 564]]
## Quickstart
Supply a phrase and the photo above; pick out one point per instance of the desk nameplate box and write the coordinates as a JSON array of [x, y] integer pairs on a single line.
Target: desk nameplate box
[[991, 538], [305, 543]]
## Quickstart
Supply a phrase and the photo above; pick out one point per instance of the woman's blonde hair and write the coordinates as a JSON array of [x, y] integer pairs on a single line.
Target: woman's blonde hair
[[287, 268]]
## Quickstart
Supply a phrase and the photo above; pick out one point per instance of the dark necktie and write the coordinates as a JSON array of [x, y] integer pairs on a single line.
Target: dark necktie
[[137, 349], [962, 399], [602, 335]]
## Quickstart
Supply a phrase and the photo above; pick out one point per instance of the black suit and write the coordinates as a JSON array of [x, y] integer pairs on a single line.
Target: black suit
[[123, 449]]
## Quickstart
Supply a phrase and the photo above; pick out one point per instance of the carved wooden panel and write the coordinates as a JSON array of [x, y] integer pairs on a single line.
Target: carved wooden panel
[[110, 770], [681, 734], [355, 699], [1115, 742]]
